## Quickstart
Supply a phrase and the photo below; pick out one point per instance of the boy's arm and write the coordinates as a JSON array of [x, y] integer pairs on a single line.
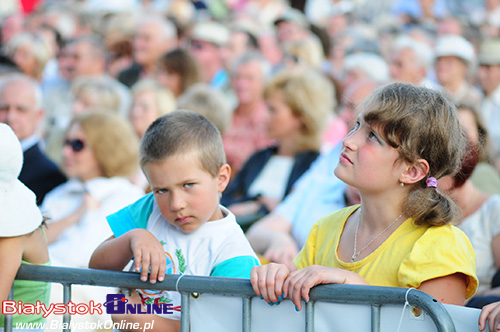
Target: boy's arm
[[113, 254], [140, 244]]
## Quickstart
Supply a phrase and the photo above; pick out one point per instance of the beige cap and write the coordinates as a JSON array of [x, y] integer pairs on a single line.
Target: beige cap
[[489, 52]]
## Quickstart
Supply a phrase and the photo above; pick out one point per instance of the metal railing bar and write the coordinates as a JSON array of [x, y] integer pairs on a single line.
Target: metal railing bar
[[375, 317], [246, 310]]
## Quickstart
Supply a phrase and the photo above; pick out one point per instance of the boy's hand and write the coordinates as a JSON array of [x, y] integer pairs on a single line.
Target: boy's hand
[[149, 255]]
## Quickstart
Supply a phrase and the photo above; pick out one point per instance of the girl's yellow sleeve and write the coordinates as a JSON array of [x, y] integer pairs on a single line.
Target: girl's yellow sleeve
[[441, 251]]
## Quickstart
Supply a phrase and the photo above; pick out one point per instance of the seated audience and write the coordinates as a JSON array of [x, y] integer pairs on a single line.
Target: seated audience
[[299, 103]]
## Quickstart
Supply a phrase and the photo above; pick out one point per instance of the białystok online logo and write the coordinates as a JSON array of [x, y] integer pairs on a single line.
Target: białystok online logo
[[115, 304]]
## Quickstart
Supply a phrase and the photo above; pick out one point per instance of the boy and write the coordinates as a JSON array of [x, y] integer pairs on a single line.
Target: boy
[[180, 227]]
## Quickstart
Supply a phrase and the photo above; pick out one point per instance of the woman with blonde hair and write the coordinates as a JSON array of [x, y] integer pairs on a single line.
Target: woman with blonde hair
[[150, 100], [95, 93], [100, 153], [299, 102]]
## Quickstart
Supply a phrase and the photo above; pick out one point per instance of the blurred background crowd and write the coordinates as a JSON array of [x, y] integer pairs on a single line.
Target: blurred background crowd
[[81, 80]]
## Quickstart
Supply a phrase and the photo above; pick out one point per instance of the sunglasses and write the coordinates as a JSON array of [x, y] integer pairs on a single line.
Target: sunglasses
[[76, 145]]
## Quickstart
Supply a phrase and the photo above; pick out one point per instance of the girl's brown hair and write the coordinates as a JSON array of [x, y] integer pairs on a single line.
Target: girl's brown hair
[[421, 124]]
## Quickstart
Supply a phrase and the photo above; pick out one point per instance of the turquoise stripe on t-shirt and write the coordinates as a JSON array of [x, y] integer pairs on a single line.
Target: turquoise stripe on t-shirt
[[136, 215], [236, 267]]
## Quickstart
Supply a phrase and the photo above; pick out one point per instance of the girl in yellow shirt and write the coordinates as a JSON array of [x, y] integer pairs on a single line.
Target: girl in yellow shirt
[[400, 235]]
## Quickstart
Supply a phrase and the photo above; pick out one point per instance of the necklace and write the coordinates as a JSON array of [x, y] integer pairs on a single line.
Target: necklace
[[356, 254]]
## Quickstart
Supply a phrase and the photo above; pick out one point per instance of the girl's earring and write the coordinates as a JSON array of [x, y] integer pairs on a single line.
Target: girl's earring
[[401, 184]]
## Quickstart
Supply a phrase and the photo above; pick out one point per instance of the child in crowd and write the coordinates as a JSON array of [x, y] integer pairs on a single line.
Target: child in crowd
[[180, 227], [22, 237], [401, 235]]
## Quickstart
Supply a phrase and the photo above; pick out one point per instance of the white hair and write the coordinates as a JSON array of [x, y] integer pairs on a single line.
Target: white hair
[[423, 52], [371, 64], [165, 26], [16, 77], [249, 57]]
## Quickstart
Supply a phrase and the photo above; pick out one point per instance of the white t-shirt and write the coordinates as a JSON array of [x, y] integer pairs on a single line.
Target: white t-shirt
[[273, 178], [217, 248], [481, 227]]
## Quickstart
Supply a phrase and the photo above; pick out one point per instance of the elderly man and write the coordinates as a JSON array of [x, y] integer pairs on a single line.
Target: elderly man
[[154, 37], [411, 61], [21, 109]]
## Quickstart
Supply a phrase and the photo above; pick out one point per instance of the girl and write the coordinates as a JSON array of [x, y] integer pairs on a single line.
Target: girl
[[22, 235], [400, 235]]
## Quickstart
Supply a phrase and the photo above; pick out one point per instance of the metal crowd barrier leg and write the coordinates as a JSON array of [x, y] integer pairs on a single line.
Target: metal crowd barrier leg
[[375, 317], [310, 316], [246, 311], [185, 311], [66, 299]]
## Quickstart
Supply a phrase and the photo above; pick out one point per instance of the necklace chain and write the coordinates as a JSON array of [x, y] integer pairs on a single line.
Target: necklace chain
[[356, 254]]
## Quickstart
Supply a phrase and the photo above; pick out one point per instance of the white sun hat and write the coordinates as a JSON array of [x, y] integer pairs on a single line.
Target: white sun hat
[[19, 213], [452, 45]]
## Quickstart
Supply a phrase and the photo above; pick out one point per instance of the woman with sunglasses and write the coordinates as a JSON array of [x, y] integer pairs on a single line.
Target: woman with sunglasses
[[99, 153]]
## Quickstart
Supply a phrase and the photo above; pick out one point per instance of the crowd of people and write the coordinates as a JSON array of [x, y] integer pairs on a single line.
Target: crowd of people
[[109, 101]]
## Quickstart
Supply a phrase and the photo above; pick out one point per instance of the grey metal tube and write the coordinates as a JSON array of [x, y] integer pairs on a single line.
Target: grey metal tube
[[66, 299], [309, 316], [375, 317], [246, 311], [185, 312]]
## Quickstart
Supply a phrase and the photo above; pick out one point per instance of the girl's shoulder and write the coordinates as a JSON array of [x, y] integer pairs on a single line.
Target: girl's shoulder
[[337, 218], [444, 237]]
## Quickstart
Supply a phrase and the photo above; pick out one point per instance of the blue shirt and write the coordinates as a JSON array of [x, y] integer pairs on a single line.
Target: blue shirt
[[316, 194]]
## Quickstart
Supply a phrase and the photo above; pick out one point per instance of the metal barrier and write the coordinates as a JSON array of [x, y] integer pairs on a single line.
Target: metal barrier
[[370, 295]]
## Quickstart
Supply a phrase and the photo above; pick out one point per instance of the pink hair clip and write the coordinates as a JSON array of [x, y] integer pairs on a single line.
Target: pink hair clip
[[432, 182]]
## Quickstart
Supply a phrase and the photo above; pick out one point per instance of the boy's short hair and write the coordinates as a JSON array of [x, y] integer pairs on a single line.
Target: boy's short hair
[[183, 132]]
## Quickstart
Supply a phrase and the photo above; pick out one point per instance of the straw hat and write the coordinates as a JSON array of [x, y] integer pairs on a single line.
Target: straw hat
[[19, 213]]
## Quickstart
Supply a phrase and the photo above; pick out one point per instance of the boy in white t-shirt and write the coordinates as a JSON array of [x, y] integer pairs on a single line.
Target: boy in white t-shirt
[[179, 228]]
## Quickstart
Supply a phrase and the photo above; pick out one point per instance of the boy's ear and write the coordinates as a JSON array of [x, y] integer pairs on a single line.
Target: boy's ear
[[223, 177], [415, 172]]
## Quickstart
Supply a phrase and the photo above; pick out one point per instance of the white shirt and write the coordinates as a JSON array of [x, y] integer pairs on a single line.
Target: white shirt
[[481, 227], [75, 246]]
